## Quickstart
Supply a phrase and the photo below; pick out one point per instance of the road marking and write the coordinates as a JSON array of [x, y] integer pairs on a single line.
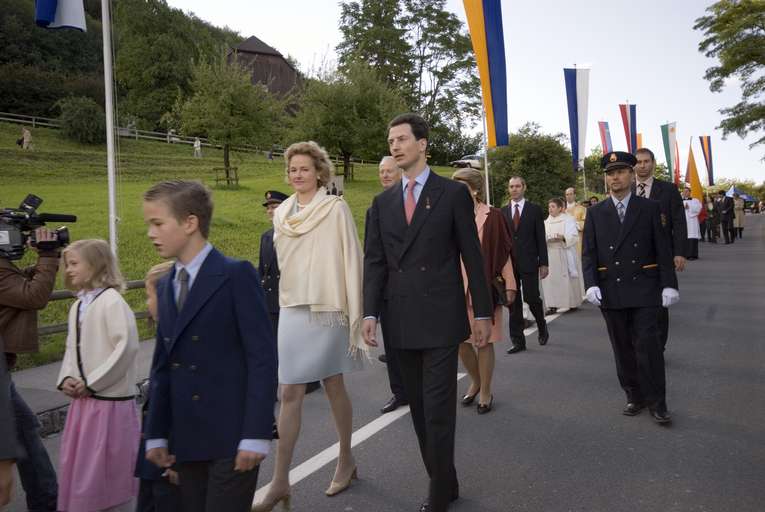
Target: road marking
[[323, 458], [326, 456]]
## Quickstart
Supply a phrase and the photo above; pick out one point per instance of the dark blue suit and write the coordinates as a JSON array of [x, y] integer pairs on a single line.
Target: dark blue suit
[[631, 263], [213, 380]]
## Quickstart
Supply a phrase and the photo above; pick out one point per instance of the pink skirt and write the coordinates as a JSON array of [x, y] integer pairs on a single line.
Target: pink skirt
[[98, 452]]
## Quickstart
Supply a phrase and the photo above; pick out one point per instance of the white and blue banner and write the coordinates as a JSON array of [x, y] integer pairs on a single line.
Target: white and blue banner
[[60, 14], [577, 94]]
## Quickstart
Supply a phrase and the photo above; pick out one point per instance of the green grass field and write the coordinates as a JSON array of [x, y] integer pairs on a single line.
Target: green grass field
[[71, 178]]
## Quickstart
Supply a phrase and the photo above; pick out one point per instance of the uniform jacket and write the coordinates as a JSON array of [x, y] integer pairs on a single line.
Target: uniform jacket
[[22, 293], [213, 377], [673, 213], [412, 273], [103, 355], [268, 268], [726, 208], [529, 241], [630, 262]]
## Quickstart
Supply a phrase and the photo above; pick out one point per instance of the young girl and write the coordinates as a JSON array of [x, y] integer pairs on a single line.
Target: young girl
[[100, 439], [158, 490]]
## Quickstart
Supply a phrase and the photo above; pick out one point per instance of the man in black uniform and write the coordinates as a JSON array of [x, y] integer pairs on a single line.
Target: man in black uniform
[[629, 272], [672, 214], [725, 207], [268, 268]]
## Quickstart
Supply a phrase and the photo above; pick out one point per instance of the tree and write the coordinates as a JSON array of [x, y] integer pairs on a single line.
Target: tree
[[348, 113], [734, 33], [83, 120], [227, 108], [541, 159], [424, 51]]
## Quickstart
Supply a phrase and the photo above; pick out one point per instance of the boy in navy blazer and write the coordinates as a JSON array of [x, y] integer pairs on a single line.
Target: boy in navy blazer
[[213, 378]]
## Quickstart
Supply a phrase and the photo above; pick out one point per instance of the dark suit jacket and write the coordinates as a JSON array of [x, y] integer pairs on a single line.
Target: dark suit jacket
[[268, 268], [9, 445], [630, 262], [673, 214], [412, 274], [213, 377], [22, 293], [726, 208], [529, 240]]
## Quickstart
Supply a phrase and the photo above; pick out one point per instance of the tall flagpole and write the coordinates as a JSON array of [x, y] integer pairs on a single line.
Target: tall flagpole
[[106, 27], [486, 157]]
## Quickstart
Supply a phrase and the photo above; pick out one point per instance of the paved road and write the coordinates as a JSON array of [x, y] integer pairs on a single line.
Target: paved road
[[557, 441]]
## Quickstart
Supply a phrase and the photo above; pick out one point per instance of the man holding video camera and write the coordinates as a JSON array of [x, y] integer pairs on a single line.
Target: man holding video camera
[[22, 293]]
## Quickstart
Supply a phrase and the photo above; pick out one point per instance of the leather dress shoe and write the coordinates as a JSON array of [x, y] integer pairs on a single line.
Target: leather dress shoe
[[515, 349], [484, 408], [660, 414], [468, 399], [425, 507], [544, 334], [393, 404], [633, 408]]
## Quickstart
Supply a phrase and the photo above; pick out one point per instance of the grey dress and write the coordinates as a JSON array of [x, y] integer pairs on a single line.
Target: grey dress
[[310, 350]]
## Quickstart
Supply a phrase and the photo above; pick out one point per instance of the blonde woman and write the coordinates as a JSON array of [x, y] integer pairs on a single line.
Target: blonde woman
[[496, 247], [320, 298]]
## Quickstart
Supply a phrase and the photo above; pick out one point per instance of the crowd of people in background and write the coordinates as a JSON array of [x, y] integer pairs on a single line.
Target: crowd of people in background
[[436, 269]]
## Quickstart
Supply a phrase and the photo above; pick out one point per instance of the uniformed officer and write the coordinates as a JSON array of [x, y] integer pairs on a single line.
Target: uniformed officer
[[629, 272], [268, 267]]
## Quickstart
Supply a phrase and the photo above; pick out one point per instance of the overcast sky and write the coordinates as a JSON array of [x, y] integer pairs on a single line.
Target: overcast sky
[[645, 52]]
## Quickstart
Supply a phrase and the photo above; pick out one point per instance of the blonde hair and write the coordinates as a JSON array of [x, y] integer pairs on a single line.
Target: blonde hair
[[98, 256], [156, 272], [474, 180], [321, 161]]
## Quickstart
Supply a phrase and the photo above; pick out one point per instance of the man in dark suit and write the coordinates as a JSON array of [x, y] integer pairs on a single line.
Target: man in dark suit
[[213, 378], [390, 174], [418, 231], [10, 450], [672, 215], [725, 207], [629, 272], [530, 252]]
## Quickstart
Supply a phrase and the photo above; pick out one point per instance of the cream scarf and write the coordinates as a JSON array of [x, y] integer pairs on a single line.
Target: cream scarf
[[321, 262]]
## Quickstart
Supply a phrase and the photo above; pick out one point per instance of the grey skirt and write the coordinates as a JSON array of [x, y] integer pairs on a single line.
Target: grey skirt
[[310, 351]]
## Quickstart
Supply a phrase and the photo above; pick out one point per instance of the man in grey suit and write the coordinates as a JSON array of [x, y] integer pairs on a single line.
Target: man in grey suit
[[417, 233]]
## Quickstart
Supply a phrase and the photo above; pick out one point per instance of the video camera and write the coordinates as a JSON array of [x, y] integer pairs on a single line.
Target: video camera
[[17, 226]]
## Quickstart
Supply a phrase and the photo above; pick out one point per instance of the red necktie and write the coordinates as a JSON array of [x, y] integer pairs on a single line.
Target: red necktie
[[410, 204], [516, 217]]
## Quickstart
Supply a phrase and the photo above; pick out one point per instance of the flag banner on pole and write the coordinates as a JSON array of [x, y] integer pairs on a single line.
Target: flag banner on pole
[[485, 23], [639, 141], [605, 137], [629, 119], [669, 138], [706, 148], [60, 14], [692, 178], [677, 164], [577, 92]]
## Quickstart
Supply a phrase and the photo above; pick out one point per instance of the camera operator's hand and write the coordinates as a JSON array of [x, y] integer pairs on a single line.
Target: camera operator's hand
[[44, 235]]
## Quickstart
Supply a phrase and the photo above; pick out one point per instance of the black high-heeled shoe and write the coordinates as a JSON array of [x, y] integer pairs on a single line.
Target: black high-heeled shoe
[[469, 399], [484, 408]]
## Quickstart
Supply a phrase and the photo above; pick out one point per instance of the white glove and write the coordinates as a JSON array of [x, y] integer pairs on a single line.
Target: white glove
[[669, 296], [593, 295]]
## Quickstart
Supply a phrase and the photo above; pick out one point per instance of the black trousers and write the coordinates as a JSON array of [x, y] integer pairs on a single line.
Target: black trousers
[[529, 286], [639, 357], [729, 233], [158, 496], [394, 371], [693, 248], [430, 382], [214, 486], [703, 229]]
